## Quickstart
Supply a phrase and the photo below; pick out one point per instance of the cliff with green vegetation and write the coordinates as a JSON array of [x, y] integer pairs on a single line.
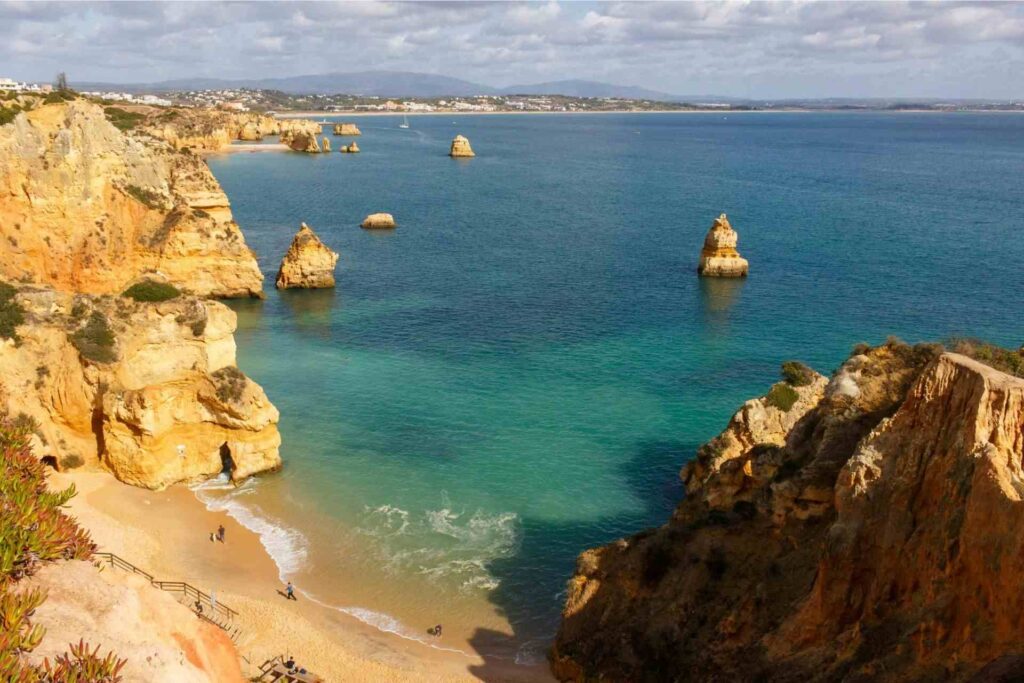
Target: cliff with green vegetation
[[867, 527]]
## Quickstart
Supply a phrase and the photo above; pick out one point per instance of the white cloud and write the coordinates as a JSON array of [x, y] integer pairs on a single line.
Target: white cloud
[[738, 48]]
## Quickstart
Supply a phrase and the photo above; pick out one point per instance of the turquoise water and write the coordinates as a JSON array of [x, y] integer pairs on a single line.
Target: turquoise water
[[520, 369]]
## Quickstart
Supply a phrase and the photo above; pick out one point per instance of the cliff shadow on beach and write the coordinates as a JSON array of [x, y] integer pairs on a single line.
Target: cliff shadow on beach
[[533, 605]]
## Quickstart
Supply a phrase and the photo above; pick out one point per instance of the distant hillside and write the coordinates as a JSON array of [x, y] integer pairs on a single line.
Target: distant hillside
[[391, 84], [578, 88]]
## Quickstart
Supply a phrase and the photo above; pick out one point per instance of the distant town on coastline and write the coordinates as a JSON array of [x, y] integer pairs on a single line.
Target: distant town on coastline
[[408, 92]]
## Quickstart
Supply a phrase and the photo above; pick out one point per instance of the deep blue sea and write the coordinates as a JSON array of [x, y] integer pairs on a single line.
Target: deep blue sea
[[520, 369]]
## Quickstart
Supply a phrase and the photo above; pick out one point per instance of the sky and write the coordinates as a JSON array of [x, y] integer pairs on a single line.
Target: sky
[[739, 49]]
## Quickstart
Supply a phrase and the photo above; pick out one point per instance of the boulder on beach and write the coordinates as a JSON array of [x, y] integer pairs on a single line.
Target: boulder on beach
[[719, 257], [351, 148], [326, 145], [309, 263], [346, 129], [461, 148], [378, 221]]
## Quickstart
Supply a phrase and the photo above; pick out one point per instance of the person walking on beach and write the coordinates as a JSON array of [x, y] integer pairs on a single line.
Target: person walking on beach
[[220, 533], [290, 592]]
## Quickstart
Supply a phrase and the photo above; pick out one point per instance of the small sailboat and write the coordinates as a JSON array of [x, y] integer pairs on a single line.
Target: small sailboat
[[405, 122]]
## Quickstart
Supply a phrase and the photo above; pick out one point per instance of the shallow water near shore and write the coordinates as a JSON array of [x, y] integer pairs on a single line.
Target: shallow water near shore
[[519, 370]]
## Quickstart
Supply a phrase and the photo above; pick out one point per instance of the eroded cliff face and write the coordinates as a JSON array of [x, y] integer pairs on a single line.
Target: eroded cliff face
[[210, 130], [149, 391], [86, 207], [874, 533]]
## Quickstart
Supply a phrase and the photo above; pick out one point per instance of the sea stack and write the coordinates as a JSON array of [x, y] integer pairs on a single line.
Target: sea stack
[[309, 263], [719, 257], [351, 148], [326, 145], [300, 142], [378, 221], [347, 129], [461, 148]]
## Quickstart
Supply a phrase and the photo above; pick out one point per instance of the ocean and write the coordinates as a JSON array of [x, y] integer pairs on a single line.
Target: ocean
[[520, 369]]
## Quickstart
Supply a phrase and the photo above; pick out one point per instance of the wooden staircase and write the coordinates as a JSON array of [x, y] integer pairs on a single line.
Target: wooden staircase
[[220, 615]]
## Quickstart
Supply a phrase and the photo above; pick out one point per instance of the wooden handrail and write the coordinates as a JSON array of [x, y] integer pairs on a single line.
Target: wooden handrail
[[171, 586]]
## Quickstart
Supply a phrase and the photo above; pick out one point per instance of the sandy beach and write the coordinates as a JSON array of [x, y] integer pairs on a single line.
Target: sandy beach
[[167, 533]]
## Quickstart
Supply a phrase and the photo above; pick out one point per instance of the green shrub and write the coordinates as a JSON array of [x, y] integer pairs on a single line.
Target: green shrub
[[34, 530], [122, 119], [782, 396], [71, 461], [796, 374], [7, 114], [95, 341], [1005, 360], [146, 197], [230, 383], [151, 290], [11, 312]]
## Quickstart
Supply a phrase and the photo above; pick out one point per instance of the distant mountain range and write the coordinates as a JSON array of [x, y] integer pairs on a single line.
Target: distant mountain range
[[392, 84]]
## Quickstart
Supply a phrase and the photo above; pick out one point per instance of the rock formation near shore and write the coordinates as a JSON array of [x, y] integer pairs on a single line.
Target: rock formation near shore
[[719, 257], [461, 148], [351, 148], [149, 391], [870, 528], [377, 221], [309, 263], [326, 144], [347, 129], [300, 142], [86, 207], [209, 130]]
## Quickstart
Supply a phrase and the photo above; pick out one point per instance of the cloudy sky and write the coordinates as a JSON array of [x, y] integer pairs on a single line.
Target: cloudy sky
[[745, 49]]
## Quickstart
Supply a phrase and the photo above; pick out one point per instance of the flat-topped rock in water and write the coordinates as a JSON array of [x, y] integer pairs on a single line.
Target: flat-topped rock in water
[[461, 148], [347, 129], [719, 257], [378, 221], [301, 142], [309, 263], [351, 148]]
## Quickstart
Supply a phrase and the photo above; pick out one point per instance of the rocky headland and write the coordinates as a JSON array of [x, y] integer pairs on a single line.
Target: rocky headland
[[864, 528], [309, 263], [88, 207], [211, 130], [146, 389], [719, 257], [460, 147]]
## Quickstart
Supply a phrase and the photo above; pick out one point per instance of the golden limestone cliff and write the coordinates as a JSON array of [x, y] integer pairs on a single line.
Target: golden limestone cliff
[[86, 207], [149, 391], [870, 528], [719, 257], [308, 264], [210, 130]]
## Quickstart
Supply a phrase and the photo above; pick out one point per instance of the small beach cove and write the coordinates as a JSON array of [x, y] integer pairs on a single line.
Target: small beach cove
[[520, 369], [167, 533]]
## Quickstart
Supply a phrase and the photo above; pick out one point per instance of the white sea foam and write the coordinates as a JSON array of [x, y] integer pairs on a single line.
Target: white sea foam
[[285, 545], [489, 536]]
